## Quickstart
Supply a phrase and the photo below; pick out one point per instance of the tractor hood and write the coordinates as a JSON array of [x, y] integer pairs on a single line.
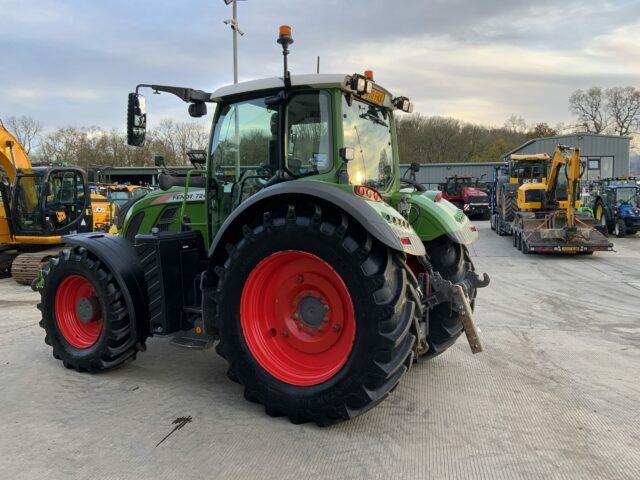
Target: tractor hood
[[476, 192]]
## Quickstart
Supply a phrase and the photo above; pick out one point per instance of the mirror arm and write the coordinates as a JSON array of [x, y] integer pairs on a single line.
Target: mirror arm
[[188, 95]]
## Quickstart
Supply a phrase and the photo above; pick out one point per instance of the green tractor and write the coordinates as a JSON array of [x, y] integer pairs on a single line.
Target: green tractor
[[298, 251]]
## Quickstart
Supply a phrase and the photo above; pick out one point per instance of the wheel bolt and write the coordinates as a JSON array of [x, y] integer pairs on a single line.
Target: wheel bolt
[[296, 315], [336, 328], [294, 304], [301, 279], [285, 333], [326, 307]]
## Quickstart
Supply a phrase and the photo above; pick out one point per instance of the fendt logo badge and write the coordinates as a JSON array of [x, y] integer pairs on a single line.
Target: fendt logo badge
[[179, 197]]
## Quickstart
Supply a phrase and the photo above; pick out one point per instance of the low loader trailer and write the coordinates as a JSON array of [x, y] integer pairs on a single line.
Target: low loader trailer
[[545, 215]]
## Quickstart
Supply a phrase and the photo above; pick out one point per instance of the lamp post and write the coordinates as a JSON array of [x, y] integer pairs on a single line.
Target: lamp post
[[233, 23]]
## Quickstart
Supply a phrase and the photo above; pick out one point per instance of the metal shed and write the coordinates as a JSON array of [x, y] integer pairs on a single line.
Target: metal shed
[[435, 173], [604, 155]]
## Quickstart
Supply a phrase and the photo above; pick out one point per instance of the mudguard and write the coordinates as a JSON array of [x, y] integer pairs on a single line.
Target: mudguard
[[380, 220], [120, 257], [441, 217]]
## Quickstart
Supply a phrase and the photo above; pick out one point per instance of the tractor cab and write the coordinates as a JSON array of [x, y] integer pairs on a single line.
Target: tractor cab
[[333, 128], [624, 195], [47, 201], [528, 168]]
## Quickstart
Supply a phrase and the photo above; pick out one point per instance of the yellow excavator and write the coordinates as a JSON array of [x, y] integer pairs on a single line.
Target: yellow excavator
[[547, 219], [40, 204], [107, 201]]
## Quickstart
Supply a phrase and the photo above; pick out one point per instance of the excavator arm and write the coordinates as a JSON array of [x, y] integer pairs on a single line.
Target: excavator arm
[[569, 158], [12, 154]]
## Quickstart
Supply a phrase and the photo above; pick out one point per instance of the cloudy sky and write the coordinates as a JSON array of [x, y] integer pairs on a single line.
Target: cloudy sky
[[72, 62]]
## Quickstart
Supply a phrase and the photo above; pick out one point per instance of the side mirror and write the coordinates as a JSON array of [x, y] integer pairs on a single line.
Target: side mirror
[[347, 154], [136, 120], [198, 109]]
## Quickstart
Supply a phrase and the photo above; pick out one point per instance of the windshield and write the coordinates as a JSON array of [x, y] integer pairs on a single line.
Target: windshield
[[529, 170], [367, 130], [627, 195]]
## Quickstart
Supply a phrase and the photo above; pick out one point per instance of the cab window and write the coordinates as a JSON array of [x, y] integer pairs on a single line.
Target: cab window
[[308, 146], [244, 139]]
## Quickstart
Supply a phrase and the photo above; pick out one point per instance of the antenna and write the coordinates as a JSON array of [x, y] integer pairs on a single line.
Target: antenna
[[318, 65]]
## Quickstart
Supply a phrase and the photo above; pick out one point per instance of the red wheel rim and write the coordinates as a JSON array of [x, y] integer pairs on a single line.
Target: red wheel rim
[[297, 318], [77, 332]]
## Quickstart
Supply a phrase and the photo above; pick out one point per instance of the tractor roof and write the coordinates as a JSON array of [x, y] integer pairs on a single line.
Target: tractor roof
[[321, 80], [530, 156]]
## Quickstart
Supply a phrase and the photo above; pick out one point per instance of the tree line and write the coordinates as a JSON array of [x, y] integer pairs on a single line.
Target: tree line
[[423, 139]]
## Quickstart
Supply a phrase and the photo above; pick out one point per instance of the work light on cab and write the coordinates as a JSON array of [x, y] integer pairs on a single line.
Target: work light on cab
[[360, 84], [404, 104]]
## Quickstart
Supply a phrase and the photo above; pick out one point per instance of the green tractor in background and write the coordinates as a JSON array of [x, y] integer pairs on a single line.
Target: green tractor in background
[[320, 274]]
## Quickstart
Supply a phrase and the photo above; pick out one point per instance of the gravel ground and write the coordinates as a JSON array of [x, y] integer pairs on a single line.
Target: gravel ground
[[556, 394]]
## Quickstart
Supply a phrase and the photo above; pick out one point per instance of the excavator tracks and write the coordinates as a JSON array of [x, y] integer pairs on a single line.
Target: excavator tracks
[[26, 267]]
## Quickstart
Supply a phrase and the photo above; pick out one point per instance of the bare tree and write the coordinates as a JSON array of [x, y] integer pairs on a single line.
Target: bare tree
[[589, 107], [623, 107], [25, 129], [516, 124]]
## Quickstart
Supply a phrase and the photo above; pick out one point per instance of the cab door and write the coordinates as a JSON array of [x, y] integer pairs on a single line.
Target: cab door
[[66, 202]]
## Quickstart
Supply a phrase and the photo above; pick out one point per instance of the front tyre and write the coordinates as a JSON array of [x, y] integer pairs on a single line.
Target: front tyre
[[315, 316], [452, 261], [84, 313], [620, 228]]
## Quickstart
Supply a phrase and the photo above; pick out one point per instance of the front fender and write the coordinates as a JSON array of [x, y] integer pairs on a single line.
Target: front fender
[[379, 219], [437, 218]]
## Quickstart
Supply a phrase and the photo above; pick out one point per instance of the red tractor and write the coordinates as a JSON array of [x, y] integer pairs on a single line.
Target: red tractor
[[465, 192]]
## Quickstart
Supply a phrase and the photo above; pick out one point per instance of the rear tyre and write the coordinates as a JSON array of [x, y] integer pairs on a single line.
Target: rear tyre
[[315, 316], [84, 314], [509, 207], [452, 261]]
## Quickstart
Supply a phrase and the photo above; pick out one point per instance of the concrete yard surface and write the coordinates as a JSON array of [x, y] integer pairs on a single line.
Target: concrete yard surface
[[556, 395]]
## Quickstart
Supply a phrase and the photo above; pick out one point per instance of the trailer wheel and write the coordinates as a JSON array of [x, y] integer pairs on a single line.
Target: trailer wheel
[[84, 313], [315, 316], [452, 261], [620, 228]]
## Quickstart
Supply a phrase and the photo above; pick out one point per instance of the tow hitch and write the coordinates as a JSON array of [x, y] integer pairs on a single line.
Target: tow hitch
[[458, 295]]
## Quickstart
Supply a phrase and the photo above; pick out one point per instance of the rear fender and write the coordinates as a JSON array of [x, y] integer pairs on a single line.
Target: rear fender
[[120, 257], [379, 219]]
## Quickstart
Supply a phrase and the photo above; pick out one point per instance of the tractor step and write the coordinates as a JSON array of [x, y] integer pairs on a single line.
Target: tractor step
[[192, 341]]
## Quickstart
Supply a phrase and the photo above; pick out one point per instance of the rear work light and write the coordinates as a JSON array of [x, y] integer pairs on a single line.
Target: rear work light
[[368, 193]]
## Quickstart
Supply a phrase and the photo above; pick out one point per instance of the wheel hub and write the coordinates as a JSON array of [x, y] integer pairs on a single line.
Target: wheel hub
[[312, 311], [77, 312], [88, 309]]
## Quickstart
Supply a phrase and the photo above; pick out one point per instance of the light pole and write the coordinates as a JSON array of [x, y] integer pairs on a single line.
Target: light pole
[[233, 23]]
